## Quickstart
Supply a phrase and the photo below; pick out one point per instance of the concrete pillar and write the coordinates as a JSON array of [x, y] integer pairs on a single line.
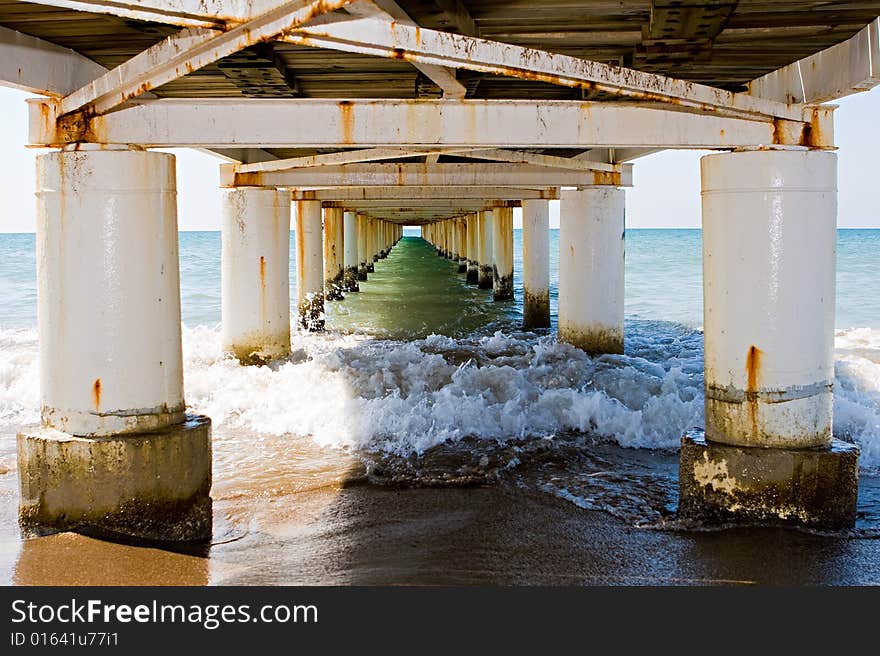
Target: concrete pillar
[[461, 238], [486, 278], [473, 266], [502, 253], [377, 229], [309, 264], [333, 246], [255, 278], [536, 263], [350, 253], [371, 245], [362, 230], [116, 454], [769, 235], [591, 258]]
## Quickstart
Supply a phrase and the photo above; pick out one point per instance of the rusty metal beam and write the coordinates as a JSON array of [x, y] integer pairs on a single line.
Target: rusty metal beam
[[215, 14], [319, 123], [551, 161], [343, 157], [391, 12], [838, 71], [392, 40], [417, 175], [425, 193], [185, 52]]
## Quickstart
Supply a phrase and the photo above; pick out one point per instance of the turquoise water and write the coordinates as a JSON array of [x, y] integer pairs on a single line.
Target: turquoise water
[[663, 277]]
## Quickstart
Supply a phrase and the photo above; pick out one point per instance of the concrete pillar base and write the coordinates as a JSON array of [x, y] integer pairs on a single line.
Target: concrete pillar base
[[362, 272], [371, 268], [595, 341], [349, 281], [486, 277], [536, 310], [473, 273], [150, 486], [503, 285], [462, 266], [720, 483], [311, 313]]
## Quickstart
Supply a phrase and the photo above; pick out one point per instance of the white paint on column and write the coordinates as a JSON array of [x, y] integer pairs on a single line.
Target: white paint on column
[[350, 251], [591, 269], [255, 278], [536, 263], [769, 236], [108, 291], [333, 247], [486, 275], [309, 264], [502, 252]]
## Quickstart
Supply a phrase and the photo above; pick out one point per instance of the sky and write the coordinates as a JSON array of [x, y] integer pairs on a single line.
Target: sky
[[666, 192]]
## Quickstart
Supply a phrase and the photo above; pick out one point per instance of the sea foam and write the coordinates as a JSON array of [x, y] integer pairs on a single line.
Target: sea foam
[[403, 397]]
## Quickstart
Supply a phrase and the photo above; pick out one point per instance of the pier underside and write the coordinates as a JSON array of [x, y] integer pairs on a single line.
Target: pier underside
[[349, 119]]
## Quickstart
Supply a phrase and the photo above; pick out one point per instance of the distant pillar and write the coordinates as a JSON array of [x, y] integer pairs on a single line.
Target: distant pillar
[[333, 245], [116, 453], [309, 264], [536, 263], [486, 275], [461, 237], [362, 246], [350, 253], [591, 252], [255, 278], [371, 244], [473, 266], [769, 235], [502, 253]]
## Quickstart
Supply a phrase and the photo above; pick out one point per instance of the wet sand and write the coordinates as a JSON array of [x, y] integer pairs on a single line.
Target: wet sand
[[362, 534]]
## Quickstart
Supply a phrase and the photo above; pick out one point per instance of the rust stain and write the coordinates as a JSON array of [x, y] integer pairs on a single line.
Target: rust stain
[[778, 135], [263, 272], [806, 135], [96, 393], [753, 375], [346, 114]]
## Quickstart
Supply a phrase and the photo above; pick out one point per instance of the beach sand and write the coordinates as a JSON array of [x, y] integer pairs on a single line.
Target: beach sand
[[359, 533]]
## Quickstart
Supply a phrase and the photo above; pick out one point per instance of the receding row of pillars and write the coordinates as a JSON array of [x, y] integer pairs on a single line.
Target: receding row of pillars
[[335, 249], [109, 307]]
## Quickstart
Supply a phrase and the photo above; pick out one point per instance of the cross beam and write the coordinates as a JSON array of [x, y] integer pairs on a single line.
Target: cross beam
[[320, 123], [416, 175], [187, 51], [392, 40], [425, 193]]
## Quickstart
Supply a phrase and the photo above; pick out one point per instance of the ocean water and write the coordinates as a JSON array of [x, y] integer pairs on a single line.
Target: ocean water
[[419, 365]]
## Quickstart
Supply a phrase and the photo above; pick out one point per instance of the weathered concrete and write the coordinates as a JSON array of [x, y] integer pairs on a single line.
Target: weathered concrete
[[769, 235], [350, 256], [153, 486], [333, 245], [309, 265], [473, 240], [721, 483], [486, 278], [255, 281], [502, 253], [108, 291], [536, 263], [591, 262], [362, 246]]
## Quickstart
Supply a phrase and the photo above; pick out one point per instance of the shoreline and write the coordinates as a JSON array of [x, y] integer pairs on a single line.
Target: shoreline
[[359, 533]]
